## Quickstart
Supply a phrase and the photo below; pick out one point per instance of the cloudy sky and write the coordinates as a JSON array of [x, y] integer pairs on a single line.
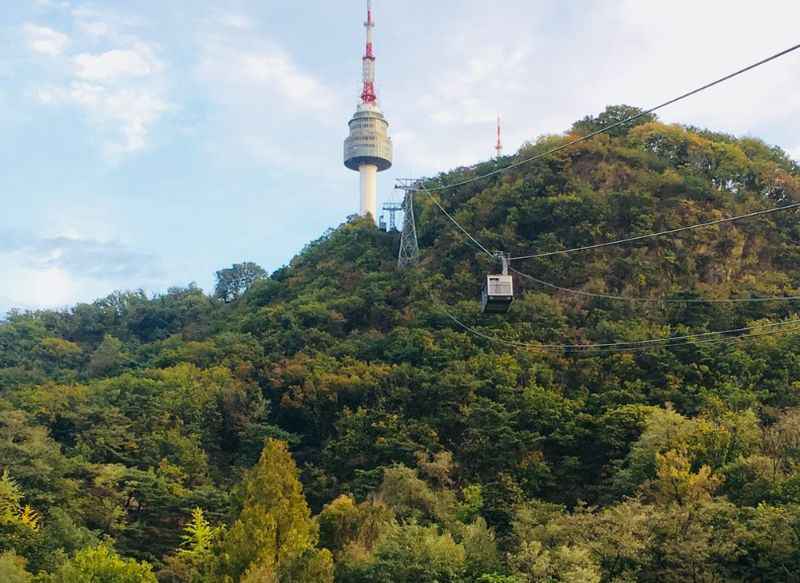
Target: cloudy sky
[[147, 144]]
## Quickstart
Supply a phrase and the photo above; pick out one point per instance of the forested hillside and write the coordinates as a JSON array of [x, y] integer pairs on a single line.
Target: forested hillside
[[331, 421]]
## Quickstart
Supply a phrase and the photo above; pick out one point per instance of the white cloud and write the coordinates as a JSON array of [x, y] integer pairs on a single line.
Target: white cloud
[[471, 88], [44, 40], [136, 62], [121, 89], [48, 288], [458, 111], [95, 28], [543, 65], [268, 72], [127, 113], [50, 4], [237, 21], [51, 288], [278, 70], [665, 64], [56, 271], [98, 23], [80, 257], [266, 104]]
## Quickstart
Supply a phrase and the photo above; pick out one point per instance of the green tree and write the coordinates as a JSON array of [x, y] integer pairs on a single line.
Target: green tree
[[102, 565], [35, 460], [676, 483], [19, 525], [12, 569], [234, 281], [410, 554], [196, 560], [495, 578], [274, 526], [421, 441], [613, 114], [312, 566], [412, 499], [346, 526], [565, 564], [697, 542], [109, 358]]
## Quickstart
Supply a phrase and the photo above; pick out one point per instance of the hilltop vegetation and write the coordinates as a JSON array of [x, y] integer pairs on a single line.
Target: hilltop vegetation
[[331, 421]]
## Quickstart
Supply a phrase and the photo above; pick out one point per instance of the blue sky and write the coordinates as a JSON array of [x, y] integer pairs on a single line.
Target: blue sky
[[148, 144]]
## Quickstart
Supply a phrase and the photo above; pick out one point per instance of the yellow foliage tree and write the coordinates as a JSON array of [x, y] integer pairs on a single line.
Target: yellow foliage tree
[[677, 483], [274, 529]]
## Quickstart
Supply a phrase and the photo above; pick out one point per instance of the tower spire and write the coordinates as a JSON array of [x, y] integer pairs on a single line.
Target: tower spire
[[368, 94]]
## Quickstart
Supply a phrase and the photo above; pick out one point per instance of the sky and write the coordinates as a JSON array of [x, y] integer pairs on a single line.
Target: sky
[[148, 144]]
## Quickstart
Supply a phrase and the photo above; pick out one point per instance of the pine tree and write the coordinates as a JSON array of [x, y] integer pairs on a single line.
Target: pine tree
[[274, 528], [10, 498], [199, 536], [196, 560]]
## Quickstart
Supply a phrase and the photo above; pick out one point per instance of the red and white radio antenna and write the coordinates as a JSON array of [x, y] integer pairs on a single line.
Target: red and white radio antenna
[[368, 95], [499, 146]]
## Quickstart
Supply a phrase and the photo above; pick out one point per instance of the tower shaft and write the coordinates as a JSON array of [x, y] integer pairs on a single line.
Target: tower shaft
[[369, 190]]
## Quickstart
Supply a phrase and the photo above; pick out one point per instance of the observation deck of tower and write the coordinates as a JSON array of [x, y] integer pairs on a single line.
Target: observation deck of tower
[[368, 149]]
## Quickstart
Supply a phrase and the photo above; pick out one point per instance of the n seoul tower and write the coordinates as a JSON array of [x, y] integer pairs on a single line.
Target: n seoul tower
[[369, 147]]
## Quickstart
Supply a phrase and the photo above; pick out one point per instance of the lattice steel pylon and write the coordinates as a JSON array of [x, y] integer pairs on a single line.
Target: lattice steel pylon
[[392, 208], [409, 246]]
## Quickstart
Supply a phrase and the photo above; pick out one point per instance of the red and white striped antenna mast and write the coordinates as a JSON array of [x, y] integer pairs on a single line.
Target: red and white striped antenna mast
[[368, 94], [499, 146]]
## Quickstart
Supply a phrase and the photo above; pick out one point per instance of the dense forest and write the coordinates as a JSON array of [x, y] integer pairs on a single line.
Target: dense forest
[[332, 422]]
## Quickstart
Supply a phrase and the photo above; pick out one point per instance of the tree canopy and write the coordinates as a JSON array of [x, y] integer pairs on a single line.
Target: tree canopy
[[331, 422]]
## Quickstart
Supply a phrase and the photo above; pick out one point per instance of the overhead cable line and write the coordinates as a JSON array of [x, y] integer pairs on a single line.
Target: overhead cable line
[[756, 332], [613, 297], [457, 224], [659, 233], [589, 136], [630, 346], [644, 300], [782, 328], [621, 123]]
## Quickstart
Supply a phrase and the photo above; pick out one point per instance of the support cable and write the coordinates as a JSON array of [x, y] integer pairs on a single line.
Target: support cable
[[613, 297], [456, 223], [643, 300], [622, 122], [659, 233], [630, 239], [596, 133], [630, 346]]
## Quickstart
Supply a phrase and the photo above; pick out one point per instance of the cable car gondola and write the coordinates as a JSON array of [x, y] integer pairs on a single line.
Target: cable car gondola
[[498, 291]]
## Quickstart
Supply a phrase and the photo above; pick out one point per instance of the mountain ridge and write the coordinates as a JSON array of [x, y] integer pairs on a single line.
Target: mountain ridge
[[427, 452]]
